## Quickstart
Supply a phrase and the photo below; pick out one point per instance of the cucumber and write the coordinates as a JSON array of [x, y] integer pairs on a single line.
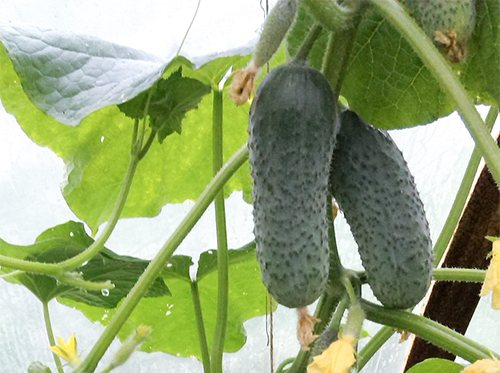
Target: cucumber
[[374, 188], [449, 24], [291, 138]]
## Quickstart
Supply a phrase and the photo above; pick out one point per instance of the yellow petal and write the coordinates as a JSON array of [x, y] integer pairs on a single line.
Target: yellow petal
[[67, 351], [492, 278], [483, 366], [58, 352], [496, 298], [338, 358]]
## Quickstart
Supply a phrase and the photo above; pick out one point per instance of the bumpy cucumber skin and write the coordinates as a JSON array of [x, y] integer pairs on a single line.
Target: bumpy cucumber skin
[[374, 188], [291, 138], [444, 16]]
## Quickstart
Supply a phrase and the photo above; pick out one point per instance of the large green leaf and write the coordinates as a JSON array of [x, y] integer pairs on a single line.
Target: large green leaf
[[67, 240], [173, 319], [97, 154], [388, 84], [482, 70], [69, 76], [436, 366]]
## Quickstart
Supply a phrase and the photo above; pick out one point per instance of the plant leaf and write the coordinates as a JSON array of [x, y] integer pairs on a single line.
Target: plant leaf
[[67, 240], [214, 71], [482, 69], [69, 76], [436, 366], [97, 152], [173, 320], [173, 98], [208, 260], [388, 84]]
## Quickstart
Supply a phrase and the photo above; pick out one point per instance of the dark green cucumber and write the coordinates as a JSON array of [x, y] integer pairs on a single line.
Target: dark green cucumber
[[374, 188], [292, 133]]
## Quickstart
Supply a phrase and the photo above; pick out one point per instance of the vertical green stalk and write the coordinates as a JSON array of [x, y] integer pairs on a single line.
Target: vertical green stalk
[[338, 54], [462, 195], [443, 73], [222, 254], [50, 335], [200, 326]]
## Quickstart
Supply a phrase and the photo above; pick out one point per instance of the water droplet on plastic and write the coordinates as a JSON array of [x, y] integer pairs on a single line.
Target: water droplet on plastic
[[105, 292], [102, 138], [169, 265], [71, 234], [168, 313]]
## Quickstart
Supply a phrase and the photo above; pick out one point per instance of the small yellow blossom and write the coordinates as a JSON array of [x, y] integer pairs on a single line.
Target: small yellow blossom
[[338, 358], [492, 279], [483, 366], [67, 351]]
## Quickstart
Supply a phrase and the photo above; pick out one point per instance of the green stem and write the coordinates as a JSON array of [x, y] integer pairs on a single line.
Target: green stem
[[338, 54], [69, 279], [462, 195], [158, 263], [336, 270], [284, 363], [222, 252], [50, 335], [459, 274], [443, 73], [148, 144], [373, 346], [331, 14], [58, 269], [440, 274], [11, 274], [200, 326], [308, 43], [429, 330]]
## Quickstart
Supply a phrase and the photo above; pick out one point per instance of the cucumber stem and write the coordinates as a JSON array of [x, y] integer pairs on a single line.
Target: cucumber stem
[[377, 341], [200, 326], [222, 249], [331, 15], [308, 43], [338, 53], [429, 330], [50, 335]]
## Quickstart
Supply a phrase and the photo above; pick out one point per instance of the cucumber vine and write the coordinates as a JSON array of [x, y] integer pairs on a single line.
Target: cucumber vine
[[327, 35]]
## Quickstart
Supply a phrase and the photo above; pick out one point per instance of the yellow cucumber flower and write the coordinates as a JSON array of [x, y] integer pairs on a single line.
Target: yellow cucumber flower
[[492, 279], [338, 358], [67, 351], [483, 366]]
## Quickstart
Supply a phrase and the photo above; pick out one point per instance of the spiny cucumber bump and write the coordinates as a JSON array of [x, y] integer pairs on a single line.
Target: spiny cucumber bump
[[291, 138]]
